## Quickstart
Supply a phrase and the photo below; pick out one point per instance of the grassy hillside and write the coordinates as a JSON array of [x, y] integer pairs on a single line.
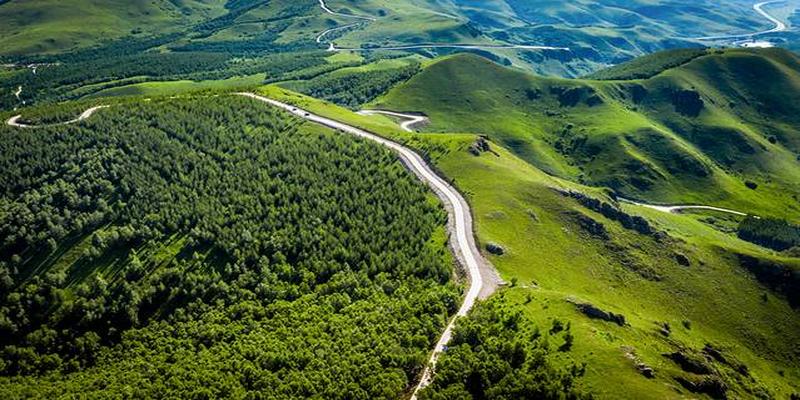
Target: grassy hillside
[[708, 131], [50, 26], [686, 288]]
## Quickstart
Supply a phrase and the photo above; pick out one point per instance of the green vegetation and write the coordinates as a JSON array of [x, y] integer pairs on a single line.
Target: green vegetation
[[50, 26], [648, 66], [214, 247], [354, 87], [499, 354], [209, 246], [709, 132], [631, 294], [773, 233]]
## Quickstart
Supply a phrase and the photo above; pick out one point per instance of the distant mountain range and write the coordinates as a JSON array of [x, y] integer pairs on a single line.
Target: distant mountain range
[[598, 33]]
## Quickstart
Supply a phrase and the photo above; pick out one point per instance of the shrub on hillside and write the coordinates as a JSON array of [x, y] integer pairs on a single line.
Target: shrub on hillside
[[776, 234], [497, 353]]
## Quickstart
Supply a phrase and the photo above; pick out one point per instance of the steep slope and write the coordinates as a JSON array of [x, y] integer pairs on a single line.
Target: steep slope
[[702, 132], [629, 297]]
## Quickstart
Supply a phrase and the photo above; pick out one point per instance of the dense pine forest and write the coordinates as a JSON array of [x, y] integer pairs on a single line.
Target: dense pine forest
[[497, 353], [211, 248]]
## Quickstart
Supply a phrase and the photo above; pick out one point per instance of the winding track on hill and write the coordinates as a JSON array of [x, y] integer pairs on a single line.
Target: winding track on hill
[[674, 209], [483, 279], [477, 46], [14, 121], [780, 26], [409, 120]]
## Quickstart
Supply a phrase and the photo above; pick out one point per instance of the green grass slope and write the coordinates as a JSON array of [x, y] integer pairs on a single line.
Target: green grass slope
[[682, 288], [47, 26], [701, 132]]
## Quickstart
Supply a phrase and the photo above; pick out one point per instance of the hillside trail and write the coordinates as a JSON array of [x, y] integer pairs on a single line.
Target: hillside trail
[[673, 209], [14, 121]]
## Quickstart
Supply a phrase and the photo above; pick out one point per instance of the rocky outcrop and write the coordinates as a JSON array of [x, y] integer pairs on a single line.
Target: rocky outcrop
[[594, 312], [612, 212], [495, 249]]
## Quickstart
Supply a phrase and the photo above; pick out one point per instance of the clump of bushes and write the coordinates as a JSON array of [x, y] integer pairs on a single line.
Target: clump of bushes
[[776, 234]]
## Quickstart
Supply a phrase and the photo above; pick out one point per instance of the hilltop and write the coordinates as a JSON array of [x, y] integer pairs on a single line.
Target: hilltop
[[710, 130]]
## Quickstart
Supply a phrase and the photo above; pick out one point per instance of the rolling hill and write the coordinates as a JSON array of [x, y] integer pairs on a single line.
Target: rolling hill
[[36, 27], [185, 242], [598, 33], [629, 298], [709, 131]]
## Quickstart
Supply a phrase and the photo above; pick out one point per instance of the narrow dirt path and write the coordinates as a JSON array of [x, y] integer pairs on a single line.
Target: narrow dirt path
[[483, 278], [674, 209], [409, 120], [14, 121]]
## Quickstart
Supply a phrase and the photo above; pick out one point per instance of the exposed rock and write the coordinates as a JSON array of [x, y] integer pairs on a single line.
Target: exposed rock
[[591, 226], [495, 249], [683, 260], [593, 312], [480, 146], [712, 386], [689, 363], [628, 221], [645, 370], [665, 329], [714, 353]]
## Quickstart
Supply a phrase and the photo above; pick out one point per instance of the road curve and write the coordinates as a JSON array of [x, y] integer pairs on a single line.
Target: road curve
[[780, 26], [483, 279], [14, 121], [410, 120], [338, 28], [674, 209]]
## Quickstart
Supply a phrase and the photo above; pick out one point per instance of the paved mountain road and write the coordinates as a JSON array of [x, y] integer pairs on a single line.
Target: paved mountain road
[[483, 279]]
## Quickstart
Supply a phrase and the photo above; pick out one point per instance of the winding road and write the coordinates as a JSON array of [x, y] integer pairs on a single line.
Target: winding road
[[673, 209], [483, 279], [14, 121], [469, 46], [780, 26], [409, 120]]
